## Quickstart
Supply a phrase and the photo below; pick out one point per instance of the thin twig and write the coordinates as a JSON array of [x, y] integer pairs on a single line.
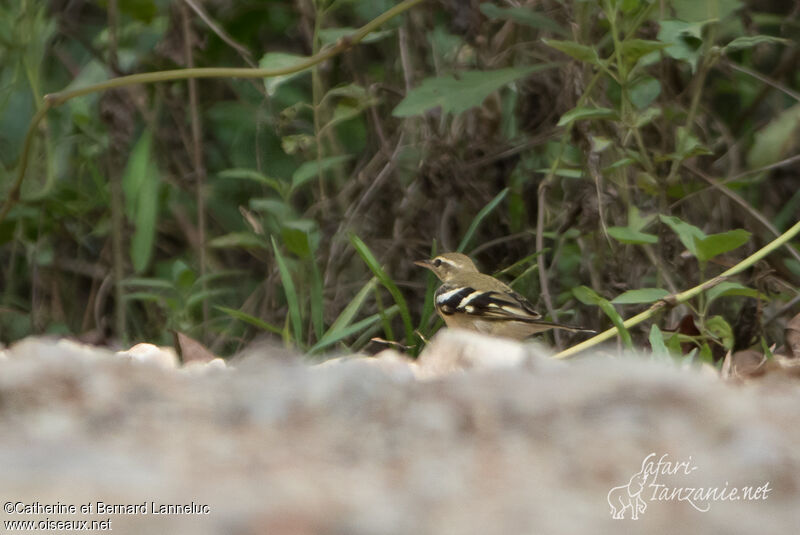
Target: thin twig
[[776, 165], [197, 161], [735, 197], [502, 239], [116, 204], [699, 81], [402, 36], [214, 27], [543, 284], [758, 76], [373, 188]]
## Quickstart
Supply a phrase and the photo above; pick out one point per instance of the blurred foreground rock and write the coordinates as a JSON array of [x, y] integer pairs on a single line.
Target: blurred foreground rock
[[511, 443]]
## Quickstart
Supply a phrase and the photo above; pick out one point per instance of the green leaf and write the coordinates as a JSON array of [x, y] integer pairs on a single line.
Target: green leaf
[[587, 296], [687, 144], [631, 236], [311, 169], [182, 275], [656, 339], [563, 172], [486, 210], [329, 36], [144, 282], [280, 60], [687, 233], [297, 143], [140, 185], [634, 49], [352, 100], [705, 10], [255, 176], [523, 15], [674, 343], [291, 295], [301, 237], [776, 140], [706, 355], [278, 209], [628, 6], [458, 93], [622, 162], [644, 91], [350, 91], [635, 219], [584, 53], [721, 330], [640, 296], [684, 39], [252, 320], [369, 259], [716, 244], [344, 111], [750, 41], [577, 114], [728, 288], [238, 240], [647, 115], [195, 300], [600, 143]]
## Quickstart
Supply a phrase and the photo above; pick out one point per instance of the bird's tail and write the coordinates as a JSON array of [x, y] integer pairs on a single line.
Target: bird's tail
[[563, 327]]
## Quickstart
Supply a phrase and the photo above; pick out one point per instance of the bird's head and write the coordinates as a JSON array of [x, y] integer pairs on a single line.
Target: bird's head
[[447, 265]]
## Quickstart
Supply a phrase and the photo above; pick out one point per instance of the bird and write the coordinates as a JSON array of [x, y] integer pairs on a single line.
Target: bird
[[469, 299]]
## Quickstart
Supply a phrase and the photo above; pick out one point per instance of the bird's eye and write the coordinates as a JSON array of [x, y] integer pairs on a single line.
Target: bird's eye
[[437, 263]]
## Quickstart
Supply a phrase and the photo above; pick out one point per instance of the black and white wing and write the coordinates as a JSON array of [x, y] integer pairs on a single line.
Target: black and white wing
[[489, 305]]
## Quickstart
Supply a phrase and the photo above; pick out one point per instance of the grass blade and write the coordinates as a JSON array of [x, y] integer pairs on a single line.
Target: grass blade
[[369, 259], [352, 308], [341, 327], [365, 337], [427, 307], [486, 210], [587, 296], [343, 333], [388, 332], [252, 320], [317, 301], [291, 295]]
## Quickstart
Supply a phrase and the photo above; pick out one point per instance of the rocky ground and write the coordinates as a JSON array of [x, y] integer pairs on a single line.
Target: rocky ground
[[480, 437]]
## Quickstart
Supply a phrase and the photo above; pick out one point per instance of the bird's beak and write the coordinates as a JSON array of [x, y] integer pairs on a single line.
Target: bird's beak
[[424, 263]]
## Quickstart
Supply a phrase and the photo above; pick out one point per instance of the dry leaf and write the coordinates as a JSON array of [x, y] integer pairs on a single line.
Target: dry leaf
[[687, 327], [191, 350], [746, 364]]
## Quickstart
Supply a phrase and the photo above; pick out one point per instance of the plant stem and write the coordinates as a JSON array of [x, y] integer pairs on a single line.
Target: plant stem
[[682, 297], [197, 163]]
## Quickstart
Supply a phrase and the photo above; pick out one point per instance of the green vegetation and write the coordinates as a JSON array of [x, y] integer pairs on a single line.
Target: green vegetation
[[274, 168]]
